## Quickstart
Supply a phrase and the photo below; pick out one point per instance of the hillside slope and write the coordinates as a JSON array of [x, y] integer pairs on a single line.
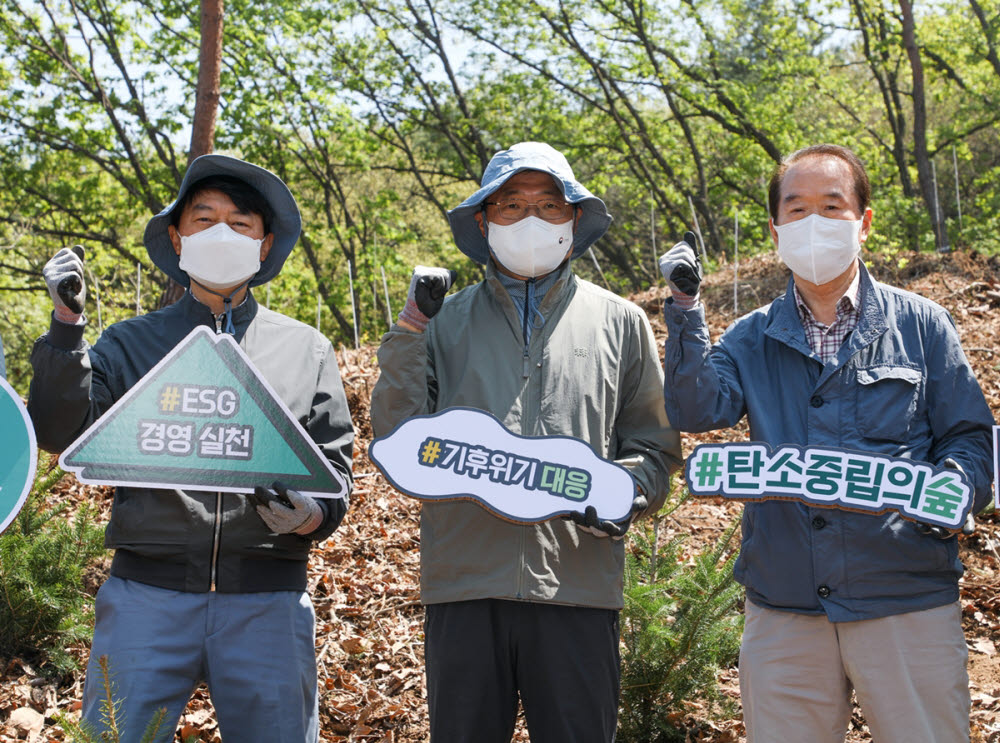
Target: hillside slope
[[364, 579]]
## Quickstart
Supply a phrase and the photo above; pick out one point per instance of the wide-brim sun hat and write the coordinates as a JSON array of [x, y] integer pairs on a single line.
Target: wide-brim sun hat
[[286, 222], [594, 218]]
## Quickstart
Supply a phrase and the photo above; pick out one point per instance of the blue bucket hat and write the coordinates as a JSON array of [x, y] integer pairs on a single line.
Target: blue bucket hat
[[286, 223], [594, 219]]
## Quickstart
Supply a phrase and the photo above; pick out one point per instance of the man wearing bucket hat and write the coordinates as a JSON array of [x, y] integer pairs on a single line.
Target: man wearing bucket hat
[[512, 609], [204, 586]]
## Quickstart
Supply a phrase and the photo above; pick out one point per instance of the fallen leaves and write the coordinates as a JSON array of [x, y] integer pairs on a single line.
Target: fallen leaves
[[364, 580]]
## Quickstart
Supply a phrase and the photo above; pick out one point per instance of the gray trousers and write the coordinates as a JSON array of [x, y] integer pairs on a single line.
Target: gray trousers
[[563, 660], [255, 651]]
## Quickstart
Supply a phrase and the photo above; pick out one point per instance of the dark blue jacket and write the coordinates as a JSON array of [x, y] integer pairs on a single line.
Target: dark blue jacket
[[900, 385], [189, 540]]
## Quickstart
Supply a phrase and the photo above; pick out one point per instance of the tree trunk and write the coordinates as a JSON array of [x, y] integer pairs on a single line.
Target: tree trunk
[[206, 105], [923, 160], [209, 70]]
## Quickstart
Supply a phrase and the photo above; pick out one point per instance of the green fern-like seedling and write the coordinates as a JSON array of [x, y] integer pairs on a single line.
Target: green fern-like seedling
[[112, 717], [42, 557], [679, 626]]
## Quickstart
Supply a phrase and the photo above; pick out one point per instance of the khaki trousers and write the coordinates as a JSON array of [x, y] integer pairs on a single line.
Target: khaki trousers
[[908, 671]]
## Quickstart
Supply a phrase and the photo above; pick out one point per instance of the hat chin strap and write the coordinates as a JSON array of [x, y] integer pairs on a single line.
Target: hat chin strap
[[226, 300]]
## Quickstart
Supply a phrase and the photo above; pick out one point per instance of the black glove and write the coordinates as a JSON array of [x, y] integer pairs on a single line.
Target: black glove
[[428, 286], [63, 276], [681, 266], [588, 521]]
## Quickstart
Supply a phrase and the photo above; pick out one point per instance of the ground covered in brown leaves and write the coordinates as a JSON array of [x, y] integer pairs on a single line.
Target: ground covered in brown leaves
[[364, 579]]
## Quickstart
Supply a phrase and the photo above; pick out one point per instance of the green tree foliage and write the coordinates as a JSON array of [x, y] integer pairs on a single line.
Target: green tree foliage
[[113, 712], [382, 115], [678, 628], [42, 557]]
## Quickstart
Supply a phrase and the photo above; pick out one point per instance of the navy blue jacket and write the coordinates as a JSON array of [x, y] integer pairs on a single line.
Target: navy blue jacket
[[900, 385], [190, 540]]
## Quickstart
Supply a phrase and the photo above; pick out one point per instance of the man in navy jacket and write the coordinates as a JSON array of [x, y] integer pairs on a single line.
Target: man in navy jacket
[[205, 585], [838, 600]]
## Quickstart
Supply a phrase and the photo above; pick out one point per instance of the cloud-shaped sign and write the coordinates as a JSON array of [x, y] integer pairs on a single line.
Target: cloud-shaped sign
[[467, 454]]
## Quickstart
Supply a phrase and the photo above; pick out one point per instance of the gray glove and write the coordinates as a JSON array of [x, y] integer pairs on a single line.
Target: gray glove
[[428, 286], [939, 531], [63, 276], [681, 267], [286, 511], [588, 521]]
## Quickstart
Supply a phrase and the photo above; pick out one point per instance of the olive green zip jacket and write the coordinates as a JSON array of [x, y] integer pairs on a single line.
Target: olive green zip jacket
[[591, 371]]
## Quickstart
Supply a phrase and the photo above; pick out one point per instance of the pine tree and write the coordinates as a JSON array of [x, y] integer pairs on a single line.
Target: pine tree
[[678, 628], [42, 558]]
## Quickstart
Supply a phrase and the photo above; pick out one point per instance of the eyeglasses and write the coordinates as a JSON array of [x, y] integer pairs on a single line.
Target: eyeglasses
[[550, 210]]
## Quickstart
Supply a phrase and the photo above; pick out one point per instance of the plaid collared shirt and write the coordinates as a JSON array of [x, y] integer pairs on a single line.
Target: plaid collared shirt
[[826, 340]]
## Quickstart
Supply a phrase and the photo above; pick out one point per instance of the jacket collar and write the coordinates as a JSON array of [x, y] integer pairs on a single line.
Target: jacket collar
[[872, 323], [199, 314], [554, 298], [785, 325]]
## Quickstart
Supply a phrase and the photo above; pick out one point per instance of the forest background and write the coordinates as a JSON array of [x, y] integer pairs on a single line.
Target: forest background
[[381, 115]]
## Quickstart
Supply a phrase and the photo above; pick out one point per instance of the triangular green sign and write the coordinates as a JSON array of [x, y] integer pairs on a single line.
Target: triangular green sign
[[202, 418]]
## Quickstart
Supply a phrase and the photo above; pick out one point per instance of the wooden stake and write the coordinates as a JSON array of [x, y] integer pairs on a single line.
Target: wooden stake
[[598, 267], [736, 263], [697, 230], [388, 307], [354, 310], [958, 194], [652, 234]]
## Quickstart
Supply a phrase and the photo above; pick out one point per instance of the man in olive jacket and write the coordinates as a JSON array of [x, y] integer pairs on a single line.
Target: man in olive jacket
[[511, 608], [204, 586]]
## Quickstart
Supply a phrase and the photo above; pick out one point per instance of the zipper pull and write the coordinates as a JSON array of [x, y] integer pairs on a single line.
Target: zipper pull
[[218, 324], [527, 364]]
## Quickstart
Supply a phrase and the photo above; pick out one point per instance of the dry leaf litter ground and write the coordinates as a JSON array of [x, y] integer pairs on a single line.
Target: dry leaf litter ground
[[364, 579]]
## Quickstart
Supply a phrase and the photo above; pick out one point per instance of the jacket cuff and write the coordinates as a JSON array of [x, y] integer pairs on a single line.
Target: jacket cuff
[[412, 316], [65, 337], [677, 318], [683, 301], [333, 513]]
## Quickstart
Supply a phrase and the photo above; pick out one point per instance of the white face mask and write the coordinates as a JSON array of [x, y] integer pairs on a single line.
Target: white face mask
[[530, 247], [220, 257], [817, 248]]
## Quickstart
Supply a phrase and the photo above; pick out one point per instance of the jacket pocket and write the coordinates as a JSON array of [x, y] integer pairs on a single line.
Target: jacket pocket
[[887, 398]]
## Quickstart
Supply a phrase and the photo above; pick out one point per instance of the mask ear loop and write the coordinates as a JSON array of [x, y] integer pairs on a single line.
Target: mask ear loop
[[227, 301]]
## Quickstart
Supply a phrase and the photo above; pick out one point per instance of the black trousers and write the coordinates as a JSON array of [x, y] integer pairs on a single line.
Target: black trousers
[[563, 660]]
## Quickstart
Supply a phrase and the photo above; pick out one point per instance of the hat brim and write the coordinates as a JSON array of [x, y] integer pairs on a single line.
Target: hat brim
[[593, 222], [286, 223]]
